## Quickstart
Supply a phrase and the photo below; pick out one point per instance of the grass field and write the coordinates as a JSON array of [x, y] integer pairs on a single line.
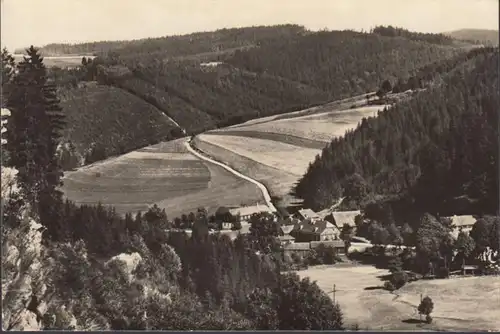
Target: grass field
[[460, 304], [277, 150], [165, 174], [60, 61]]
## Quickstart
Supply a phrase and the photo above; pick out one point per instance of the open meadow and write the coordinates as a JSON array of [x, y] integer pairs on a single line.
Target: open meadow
[[278, 150], [460, 304], [165, 174], [59, 61]]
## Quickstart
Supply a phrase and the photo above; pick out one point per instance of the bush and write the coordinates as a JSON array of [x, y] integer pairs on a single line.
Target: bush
[[428, 319], [399, 279], [389, 286]]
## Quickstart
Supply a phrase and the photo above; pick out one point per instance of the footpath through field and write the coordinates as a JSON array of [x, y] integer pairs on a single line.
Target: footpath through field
[[265, 192]]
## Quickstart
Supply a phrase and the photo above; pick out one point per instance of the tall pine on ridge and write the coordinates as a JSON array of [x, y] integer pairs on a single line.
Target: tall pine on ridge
[[33, 133]]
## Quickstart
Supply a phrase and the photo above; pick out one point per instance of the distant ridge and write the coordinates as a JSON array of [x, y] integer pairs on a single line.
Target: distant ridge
[[484, 36]]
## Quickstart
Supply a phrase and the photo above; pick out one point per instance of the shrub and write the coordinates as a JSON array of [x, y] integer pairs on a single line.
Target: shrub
[[389, 286], [428, 319]]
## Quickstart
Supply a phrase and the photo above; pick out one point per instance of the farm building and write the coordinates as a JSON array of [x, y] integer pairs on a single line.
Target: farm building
[[301, 247], [307, 214], [340, 218], [321, 230], [226, 226], [339, 245], [286, 239], [245, 212], [462, 223]]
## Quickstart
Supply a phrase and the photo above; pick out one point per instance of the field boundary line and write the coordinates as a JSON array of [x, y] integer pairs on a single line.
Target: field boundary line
[[264, 190]]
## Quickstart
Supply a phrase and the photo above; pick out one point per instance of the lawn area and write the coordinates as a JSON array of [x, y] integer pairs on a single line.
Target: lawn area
[[460, 304], [165, 174]]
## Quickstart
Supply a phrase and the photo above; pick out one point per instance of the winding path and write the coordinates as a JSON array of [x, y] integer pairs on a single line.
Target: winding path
[[263, 189]]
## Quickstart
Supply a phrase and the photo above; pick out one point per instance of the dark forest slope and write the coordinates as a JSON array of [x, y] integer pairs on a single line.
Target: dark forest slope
[[103, 121], [438, 151]]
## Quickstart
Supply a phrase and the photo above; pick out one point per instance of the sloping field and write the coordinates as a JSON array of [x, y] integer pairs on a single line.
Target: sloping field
[[278, 181], [165, 174], [320, 127], [460, 304], [278, 150]]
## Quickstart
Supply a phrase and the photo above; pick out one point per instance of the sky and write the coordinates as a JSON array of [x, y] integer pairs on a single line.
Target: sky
[[39, 22]]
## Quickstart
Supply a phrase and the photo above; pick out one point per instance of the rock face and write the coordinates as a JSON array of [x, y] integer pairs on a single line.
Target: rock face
[[131, 261], [22, 276]]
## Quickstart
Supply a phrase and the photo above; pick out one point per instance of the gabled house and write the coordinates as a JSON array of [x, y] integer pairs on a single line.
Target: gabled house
[[307, 214], [286, 239], [320, 230], [462, 223], [340, 218]]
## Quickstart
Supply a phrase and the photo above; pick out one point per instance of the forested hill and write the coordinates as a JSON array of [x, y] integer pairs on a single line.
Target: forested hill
[[181, 45], [209, 80], [483, 36], [437, 153]]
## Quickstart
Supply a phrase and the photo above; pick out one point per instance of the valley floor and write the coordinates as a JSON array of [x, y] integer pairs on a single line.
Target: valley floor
[[460, 304]]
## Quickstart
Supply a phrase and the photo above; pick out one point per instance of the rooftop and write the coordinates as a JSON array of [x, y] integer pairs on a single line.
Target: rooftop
[[459, 221], [308, 214], [345, 217], [250, 210]]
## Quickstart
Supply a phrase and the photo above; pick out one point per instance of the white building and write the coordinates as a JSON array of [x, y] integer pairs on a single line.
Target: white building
[[246, 212]]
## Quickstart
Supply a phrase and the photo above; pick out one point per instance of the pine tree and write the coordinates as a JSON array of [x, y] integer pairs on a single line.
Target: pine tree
[[33, 133], [8, 69]]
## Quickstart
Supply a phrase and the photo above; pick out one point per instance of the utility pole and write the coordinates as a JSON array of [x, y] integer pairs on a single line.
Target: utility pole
[[334, 290]]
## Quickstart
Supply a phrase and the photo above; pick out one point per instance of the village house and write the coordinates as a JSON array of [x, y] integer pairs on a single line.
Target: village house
[[285, 238], [339, 245], [340, 218], [321, 230], [461, 223], [305, 214], [226, 226], [245, 212]]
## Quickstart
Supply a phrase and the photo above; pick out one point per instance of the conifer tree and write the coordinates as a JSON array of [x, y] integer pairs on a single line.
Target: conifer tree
[[33, 133]]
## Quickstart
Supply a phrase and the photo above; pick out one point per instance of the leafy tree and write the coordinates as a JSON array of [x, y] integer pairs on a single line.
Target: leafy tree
[[294, 304], [465, 246], [264, 231], [426, 307]]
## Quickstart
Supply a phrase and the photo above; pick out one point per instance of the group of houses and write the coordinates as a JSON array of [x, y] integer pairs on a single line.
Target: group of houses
[[307, 229], [301, 231]]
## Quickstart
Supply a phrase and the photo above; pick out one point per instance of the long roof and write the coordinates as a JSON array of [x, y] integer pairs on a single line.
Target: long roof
[[308, 213], [250, 210], [318, 227], [463, 220], [345, 217]]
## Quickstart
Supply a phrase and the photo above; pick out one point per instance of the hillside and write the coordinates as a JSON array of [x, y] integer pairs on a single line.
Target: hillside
[[287, 69], [103, 121], [289, 74], [181, 45], [483, 36], [435, 153]]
